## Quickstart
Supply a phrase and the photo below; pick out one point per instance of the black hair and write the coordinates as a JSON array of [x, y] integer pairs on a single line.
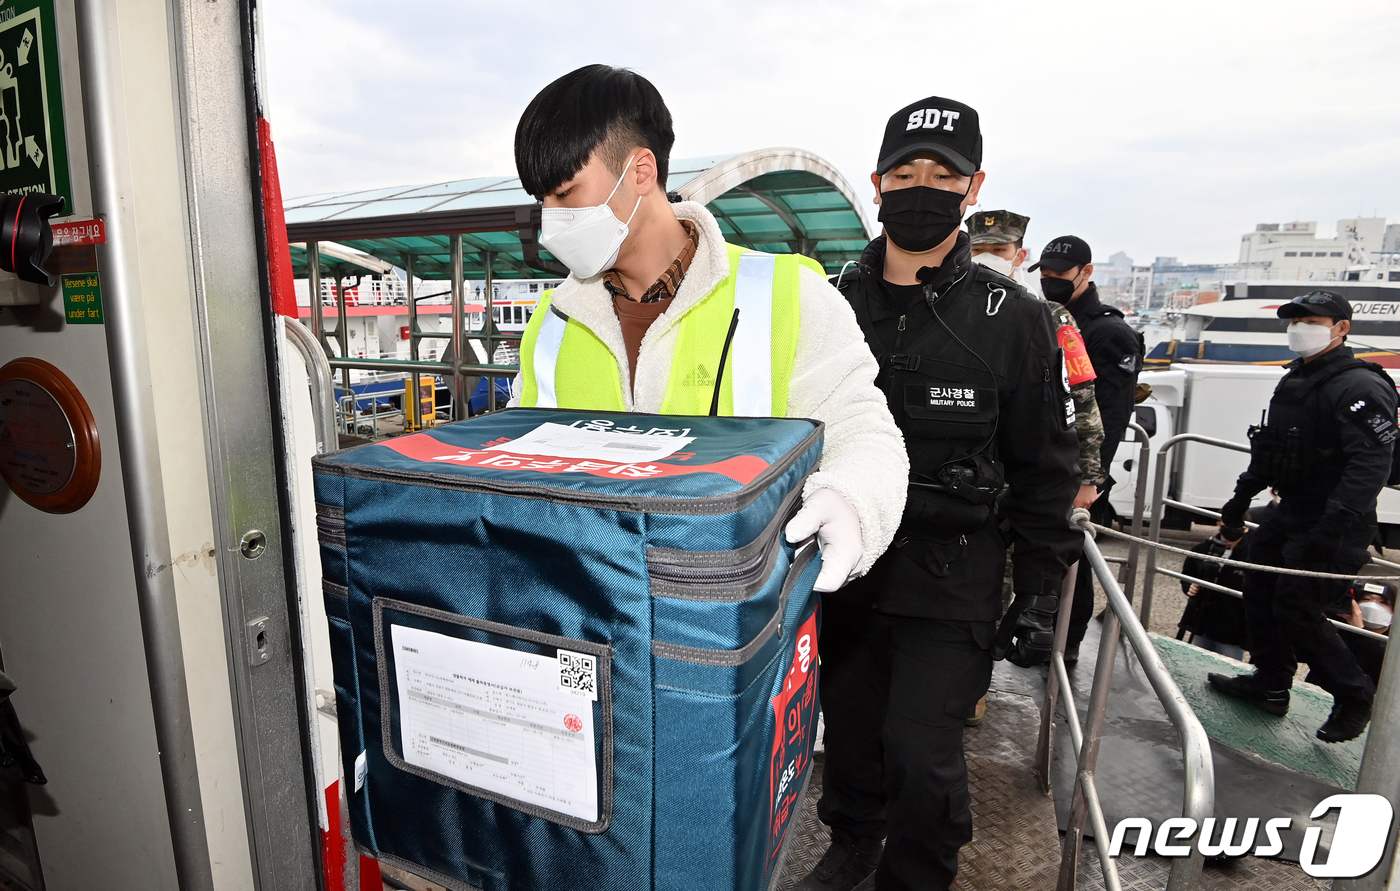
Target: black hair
[[596, 107]]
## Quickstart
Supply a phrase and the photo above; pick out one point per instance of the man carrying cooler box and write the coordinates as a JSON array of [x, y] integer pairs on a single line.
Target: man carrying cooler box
[[659, 315]]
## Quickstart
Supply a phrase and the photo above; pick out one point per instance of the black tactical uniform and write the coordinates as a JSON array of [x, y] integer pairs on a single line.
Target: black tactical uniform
[[973, 375], [1328, 449], [1116, 351]]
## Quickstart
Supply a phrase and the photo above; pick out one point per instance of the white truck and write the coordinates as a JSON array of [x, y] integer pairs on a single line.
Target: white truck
[[1219, 400]]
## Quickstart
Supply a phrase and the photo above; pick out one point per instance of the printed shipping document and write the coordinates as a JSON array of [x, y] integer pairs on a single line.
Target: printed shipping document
[[499, 719], [558, 441]]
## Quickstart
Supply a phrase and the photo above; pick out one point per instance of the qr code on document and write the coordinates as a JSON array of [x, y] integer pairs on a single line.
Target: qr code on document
[[578, 674]]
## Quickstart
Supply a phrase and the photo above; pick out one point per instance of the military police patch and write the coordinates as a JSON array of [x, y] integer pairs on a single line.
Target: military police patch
[[1374, 421], [1129, 364], [953, 397], [1064, 391]]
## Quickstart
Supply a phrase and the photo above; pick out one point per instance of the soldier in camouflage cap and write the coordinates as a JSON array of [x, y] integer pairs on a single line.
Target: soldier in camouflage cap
[[998, 227], [997, 239]]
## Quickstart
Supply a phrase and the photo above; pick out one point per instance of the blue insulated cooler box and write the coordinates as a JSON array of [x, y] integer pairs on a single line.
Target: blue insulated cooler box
[[574, 650]]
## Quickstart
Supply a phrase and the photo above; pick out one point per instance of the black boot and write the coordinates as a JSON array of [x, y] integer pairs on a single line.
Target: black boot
[[1346, 722], [848, 861], [1246, 687]]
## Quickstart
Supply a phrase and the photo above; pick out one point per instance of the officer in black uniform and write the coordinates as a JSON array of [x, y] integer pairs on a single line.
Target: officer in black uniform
[[975, 379], [1116, 352], [1328, 447]]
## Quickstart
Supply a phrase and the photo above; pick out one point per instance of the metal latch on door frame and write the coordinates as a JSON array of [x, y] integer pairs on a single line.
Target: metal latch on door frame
[[258, 641]]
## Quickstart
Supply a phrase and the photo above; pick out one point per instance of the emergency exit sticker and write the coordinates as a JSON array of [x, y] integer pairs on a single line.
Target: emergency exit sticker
[[82, 299]]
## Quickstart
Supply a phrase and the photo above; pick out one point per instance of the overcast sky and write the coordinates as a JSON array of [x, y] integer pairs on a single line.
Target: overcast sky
[[1154, 128]]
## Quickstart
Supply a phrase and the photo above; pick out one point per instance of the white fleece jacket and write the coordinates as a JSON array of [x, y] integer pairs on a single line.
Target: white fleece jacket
[[833, 380]]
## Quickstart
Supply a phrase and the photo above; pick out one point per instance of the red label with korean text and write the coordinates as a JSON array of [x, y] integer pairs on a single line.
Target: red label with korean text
[[422, 447], [1077, 364], [795, 708], [79, 233]]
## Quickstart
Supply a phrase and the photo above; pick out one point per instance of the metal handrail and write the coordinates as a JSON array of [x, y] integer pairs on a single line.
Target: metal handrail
[[1159, 485], [1129, 574], [1198, 800], [1201, 511], [322, 381], [455, 364], [1380, 761], [1239, 595], [424, 365]]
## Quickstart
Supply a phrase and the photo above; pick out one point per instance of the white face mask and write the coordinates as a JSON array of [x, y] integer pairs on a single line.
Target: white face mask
[[586, 239], [1309, 340], [992, 261], [1375, 615]]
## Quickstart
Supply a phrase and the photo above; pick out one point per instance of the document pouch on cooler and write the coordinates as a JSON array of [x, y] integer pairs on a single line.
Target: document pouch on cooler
[[574, 649]]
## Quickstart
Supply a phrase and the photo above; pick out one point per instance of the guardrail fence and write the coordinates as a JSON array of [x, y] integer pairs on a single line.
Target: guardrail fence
[[453, 363], [1199, 795]]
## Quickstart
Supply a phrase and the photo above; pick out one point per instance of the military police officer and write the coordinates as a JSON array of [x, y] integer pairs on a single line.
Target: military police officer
[[1066, 268], [998, 241], [972, 373], [1328, 447]]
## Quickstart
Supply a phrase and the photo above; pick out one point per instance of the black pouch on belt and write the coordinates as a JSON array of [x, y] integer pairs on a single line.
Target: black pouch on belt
[[960, 500]]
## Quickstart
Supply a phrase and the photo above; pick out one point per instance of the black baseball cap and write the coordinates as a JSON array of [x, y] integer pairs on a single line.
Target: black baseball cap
[[1316, 303], [1063, 254], [944, 127]]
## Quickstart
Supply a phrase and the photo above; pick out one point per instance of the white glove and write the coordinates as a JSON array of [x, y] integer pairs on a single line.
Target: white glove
[[837, 528]]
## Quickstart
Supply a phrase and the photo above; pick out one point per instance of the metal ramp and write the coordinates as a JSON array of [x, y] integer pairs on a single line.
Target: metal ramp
[[1016, 844], [1017, 829]]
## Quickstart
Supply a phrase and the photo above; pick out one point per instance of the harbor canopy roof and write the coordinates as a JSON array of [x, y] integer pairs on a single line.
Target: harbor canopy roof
[[779, 200]]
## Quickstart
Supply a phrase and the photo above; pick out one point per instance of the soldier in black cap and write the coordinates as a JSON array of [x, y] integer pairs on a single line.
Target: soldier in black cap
[[1116, 351], [972, 372], [1328, 447]]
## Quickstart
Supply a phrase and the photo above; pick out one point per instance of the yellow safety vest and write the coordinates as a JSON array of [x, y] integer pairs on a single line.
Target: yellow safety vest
[[564, 365]]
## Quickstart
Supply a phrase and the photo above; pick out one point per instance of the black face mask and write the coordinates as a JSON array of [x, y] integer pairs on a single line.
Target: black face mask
[[1057, 290], [919, 218]]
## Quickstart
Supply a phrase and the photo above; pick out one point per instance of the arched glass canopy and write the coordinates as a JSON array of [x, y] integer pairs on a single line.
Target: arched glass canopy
[[776, 199]]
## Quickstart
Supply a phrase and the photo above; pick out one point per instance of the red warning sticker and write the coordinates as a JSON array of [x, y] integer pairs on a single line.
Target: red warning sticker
[[1077, 363], [795, 708], [422, 447], [79, 233]]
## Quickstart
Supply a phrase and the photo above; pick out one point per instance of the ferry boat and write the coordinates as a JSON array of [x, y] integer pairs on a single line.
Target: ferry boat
[[1243, 326], [379, 326]]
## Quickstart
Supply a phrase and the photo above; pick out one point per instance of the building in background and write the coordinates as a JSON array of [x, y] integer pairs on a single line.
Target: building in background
[[1294, 251], [1177, 285], [1363, 249], [1114, 278]]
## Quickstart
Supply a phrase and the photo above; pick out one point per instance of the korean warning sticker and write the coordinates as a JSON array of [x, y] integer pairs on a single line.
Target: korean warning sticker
[[423, 447]]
